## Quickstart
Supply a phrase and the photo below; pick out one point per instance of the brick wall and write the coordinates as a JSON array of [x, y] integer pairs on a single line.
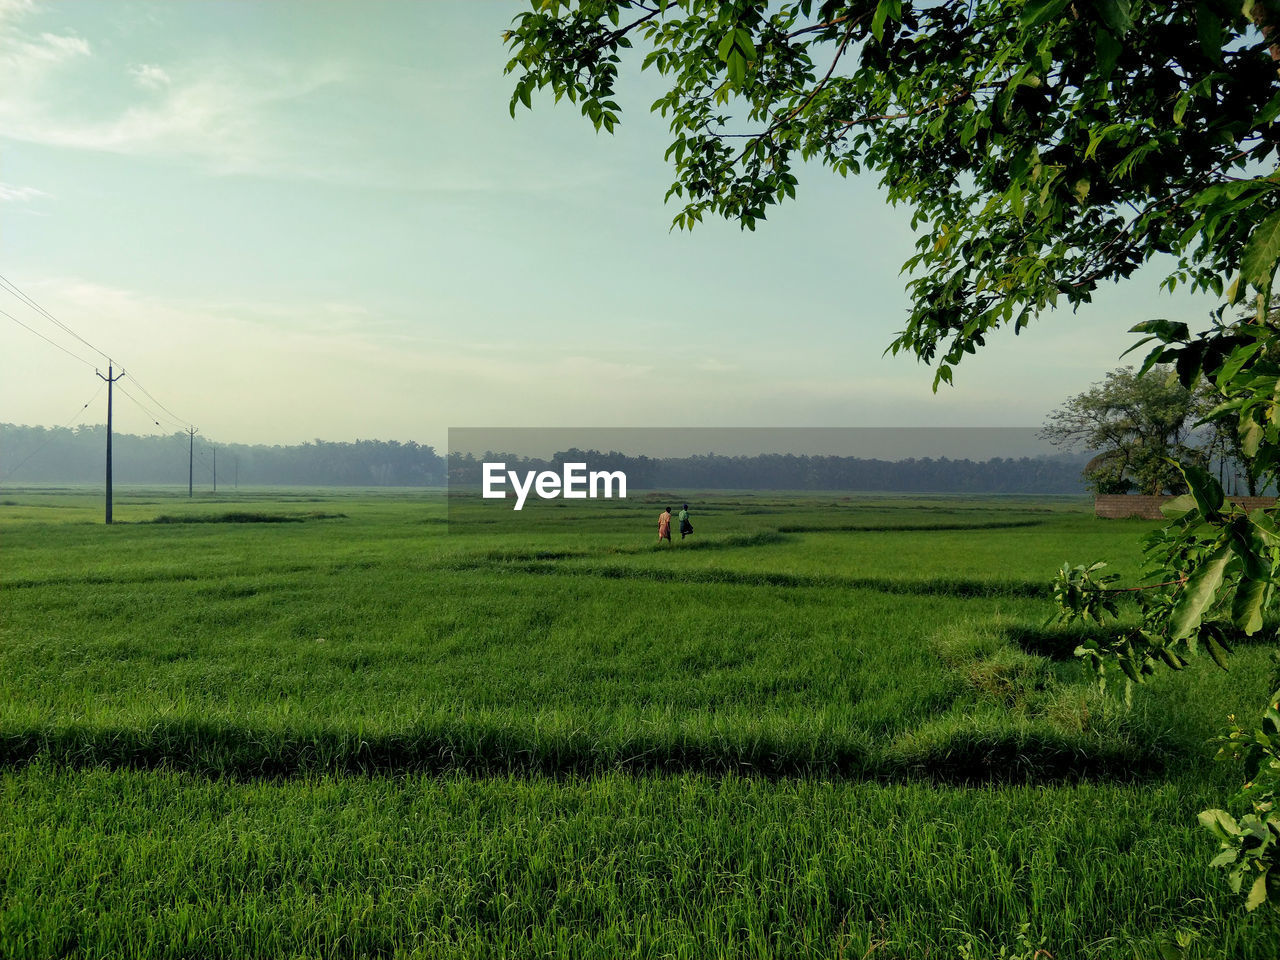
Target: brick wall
[[1117, 505]]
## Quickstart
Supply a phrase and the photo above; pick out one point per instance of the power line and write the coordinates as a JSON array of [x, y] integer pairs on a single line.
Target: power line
[[151, 415], [8, 285], [48, 440], [110, 379], [147, 410], [73, 356], [137, 383]]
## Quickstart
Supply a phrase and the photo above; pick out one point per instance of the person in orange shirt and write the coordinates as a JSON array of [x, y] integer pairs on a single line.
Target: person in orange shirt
[[664, 526]]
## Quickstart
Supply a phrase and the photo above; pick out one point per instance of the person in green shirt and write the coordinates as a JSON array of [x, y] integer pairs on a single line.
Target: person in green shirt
[[686, 527]]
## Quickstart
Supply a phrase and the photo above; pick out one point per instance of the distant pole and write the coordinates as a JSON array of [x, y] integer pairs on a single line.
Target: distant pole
[[236, 460], [215, 469], [110, 380], [191, 459]]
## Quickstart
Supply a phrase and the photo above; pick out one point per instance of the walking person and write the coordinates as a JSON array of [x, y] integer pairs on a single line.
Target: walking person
[[664, 526], [686, 527]]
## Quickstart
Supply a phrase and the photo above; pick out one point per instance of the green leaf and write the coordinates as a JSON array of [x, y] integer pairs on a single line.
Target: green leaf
[[1199, 593], [726, 45], [1178, 506], [1205, 488], [1115, 14], [1217, 651], [1036, 12], [1220, 823], [1130, 671], [1261, 252], [1220, 409], [1107, 48], [1264, 527], [1236, 291], [1257, 893], [1235, 362], [1170, 331], [1209, 29], [1246, 609], [1250, 437], [1270, 111], [1180, 108], [737, 68], [884, 10], [1157, 355], [1225, 857]]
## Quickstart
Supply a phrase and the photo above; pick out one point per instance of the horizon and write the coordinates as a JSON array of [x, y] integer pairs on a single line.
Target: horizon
[[894, 445]]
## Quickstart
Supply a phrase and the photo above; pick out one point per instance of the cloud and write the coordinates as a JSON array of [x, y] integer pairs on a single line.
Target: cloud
[[11, 193], [24, 57], [12, 10], [228, 117], [335, 116], [217, 118], [150, 76]]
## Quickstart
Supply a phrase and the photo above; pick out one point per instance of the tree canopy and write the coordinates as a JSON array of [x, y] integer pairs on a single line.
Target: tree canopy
[[1139, 427], [1045, 146]]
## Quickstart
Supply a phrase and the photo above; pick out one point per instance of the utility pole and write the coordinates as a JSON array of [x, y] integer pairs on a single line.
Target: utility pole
[[215, 468], [236, 461], [191, 459], [110, 380]]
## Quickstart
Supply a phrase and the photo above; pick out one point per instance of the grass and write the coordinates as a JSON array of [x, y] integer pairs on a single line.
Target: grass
[[822, 727]]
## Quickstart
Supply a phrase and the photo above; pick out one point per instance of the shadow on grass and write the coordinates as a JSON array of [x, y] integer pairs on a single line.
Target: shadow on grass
[[905, 527], [244, 517], [1033, 756], [934, 586], [1060, 642], [737, 541], [501, 556], [225, 750]]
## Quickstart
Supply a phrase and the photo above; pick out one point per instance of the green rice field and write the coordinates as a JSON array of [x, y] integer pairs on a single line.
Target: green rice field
[[343, 723]]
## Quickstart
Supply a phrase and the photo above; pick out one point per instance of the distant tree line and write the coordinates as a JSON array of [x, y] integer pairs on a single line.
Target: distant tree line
[[76, 455], [1058, 474]]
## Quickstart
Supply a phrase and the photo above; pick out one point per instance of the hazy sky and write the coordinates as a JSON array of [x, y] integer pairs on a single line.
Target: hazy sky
[[295, 220]]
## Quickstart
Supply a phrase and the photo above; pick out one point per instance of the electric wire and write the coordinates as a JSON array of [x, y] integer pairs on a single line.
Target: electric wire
[[48, 440], [10, 287], [73, 356], [7, 284], [151, 414], [138, 383]]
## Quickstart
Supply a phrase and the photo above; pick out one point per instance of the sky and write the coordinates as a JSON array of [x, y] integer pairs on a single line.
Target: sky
[[297, 220]]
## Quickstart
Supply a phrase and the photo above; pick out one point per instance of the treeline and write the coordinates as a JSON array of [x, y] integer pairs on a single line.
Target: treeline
[[76, 455], [1059, 474]]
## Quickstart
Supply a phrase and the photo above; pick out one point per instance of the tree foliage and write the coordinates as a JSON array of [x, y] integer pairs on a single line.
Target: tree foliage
[[1045, 147], [1139, 427]]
